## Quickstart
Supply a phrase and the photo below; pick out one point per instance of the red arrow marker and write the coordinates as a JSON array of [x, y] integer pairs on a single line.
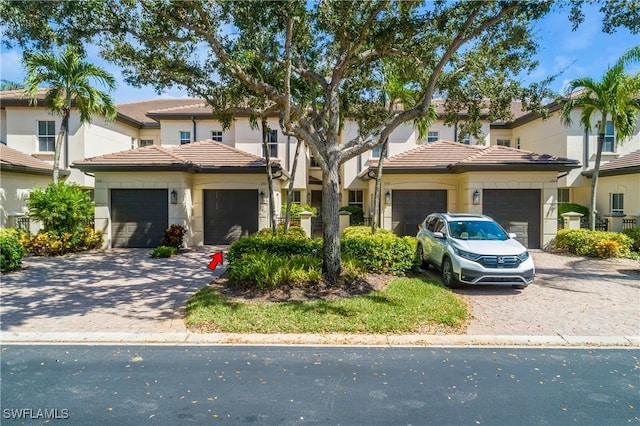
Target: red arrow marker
[[216, 258]]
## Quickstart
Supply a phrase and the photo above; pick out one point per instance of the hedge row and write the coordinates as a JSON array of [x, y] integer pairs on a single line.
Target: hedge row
[[603, 244]]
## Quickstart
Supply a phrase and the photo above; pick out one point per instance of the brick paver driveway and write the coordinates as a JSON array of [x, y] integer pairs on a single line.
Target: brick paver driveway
[[571, 295]]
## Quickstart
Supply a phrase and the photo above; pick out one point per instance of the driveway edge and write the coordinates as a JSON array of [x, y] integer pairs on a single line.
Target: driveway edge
[[186, 338]]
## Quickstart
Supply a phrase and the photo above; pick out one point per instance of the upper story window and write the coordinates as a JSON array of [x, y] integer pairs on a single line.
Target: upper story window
[[616, 203], [466, 139], [216, 135], [504, 142], [312, 160], [46, 136], [609, 138], [375, 152], [185, 137], [272, 144], [145, 142], [432, 137]]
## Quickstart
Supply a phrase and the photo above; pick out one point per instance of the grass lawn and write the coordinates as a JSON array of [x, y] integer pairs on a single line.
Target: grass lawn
[[404, 306]]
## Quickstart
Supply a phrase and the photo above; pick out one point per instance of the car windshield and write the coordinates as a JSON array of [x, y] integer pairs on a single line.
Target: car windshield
[[476, 230]]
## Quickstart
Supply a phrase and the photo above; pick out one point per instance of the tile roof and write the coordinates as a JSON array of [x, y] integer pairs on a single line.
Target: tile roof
[[16, 161], [200, 156], [453, 157], [138, 110], [627, 164]]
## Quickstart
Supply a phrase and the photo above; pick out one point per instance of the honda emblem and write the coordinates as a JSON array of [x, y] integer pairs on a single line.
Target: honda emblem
[[500, 259]]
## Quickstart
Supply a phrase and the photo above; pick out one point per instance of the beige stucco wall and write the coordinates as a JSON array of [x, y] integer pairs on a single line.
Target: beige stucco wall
[[188, 211], [629, 185], [14, 191], [460, 188]]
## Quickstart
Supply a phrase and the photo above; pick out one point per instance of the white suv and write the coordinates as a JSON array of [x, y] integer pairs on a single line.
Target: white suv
[[473, 249]]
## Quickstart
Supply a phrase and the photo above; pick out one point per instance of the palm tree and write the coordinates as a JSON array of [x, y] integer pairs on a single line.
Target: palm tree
[[615, 98], [68, 79], [9, 85]]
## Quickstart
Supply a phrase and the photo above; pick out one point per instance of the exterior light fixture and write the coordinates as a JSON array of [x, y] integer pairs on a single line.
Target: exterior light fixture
[[476, 197], [387, 197], [174, 197], [261, 194]]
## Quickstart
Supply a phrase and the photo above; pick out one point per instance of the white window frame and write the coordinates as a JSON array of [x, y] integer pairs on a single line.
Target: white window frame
[[184, 137], [564, 195], [376, 150], [272, 144], [46, 138], [609, 144], [216, 135], [616, 203], [466, 139], [433, 136], [145, 142], [504, 142]]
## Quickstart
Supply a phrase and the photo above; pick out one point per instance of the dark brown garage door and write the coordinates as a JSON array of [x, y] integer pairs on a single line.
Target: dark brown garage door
[[410, 207], [138, 217], [518, 211], [229, 214]]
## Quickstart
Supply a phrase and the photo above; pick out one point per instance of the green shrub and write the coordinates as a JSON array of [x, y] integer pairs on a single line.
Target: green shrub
[[634, 234], [173, 236], [584, 242], [572, 207], [383, 252], [357, 215], [62, 208], [163, 252], [296, 209], [294, 232], [362, 231], [263, 270], [52, 243], [11, 251], [281, 246]]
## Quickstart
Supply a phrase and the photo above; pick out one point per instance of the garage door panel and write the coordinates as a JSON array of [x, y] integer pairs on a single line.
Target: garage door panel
[[229, 214], [517, 211], [410, 207], [139, 217]]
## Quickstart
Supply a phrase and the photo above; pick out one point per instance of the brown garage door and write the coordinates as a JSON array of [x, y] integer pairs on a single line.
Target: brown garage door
[[138, 217], [518, 211], [410, 207], [229, 214]]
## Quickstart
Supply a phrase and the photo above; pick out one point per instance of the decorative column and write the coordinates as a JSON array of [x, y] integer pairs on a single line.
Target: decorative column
[[305, 222]]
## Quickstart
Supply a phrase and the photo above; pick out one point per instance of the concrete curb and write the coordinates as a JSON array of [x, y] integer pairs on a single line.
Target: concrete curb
[[187, 338]]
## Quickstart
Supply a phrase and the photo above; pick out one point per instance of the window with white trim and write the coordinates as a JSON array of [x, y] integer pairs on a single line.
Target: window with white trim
[[185, 137], [616, 203], [466, 139], [145, 142], [433, 137], [563, 195], [46, 136], [503, 142], [609, 138], [272, 143], [375, 152], [216, 135]]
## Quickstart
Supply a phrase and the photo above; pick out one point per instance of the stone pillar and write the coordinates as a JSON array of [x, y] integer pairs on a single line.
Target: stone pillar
[[305, 222], [615, 221], [571, 220], [345, 220]]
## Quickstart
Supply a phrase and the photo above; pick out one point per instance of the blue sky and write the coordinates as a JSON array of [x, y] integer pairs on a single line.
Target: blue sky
[[586, 52]]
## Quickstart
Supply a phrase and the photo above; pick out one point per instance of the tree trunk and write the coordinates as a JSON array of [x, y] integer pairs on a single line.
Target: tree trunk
[[594, 178], [331, 265], [58, 146], [292, 173], [377, 194], [267, 156]]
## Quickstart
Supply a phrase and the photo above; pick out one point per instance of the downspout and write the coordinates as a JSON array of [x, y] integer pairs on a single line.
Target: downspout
[[193, 119], [585, 164]]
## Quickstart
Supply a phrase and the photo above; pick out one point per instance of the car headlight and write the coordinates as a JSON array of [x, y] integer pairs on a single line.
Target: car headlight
[[523, 256], [466, 254]]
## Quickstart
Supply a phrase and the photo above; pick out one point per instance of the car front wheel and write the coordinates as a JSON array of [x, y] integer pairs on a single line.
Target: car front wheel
[[447, 274]]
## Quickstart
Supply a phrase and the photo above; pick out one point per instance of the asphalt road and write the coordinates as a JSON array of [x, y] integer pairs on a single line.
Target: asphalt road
[[134, 385]]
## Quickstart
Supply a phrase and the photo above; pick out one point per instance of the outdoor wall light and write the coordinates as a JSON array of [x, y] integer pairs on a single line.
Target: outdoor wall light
[[261, 193], [476, 197], [387, 197], [174, 197]]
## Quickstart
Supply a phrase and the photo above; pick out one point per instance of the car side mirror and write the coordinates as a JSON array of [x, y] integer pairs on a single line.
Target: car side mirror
[[512, 235], [438, 235]]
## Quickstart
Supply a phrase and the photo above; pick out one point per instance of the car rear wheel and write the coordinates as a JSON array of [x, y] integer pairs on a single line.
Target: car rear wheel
[[447, 274], [420, 253]]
